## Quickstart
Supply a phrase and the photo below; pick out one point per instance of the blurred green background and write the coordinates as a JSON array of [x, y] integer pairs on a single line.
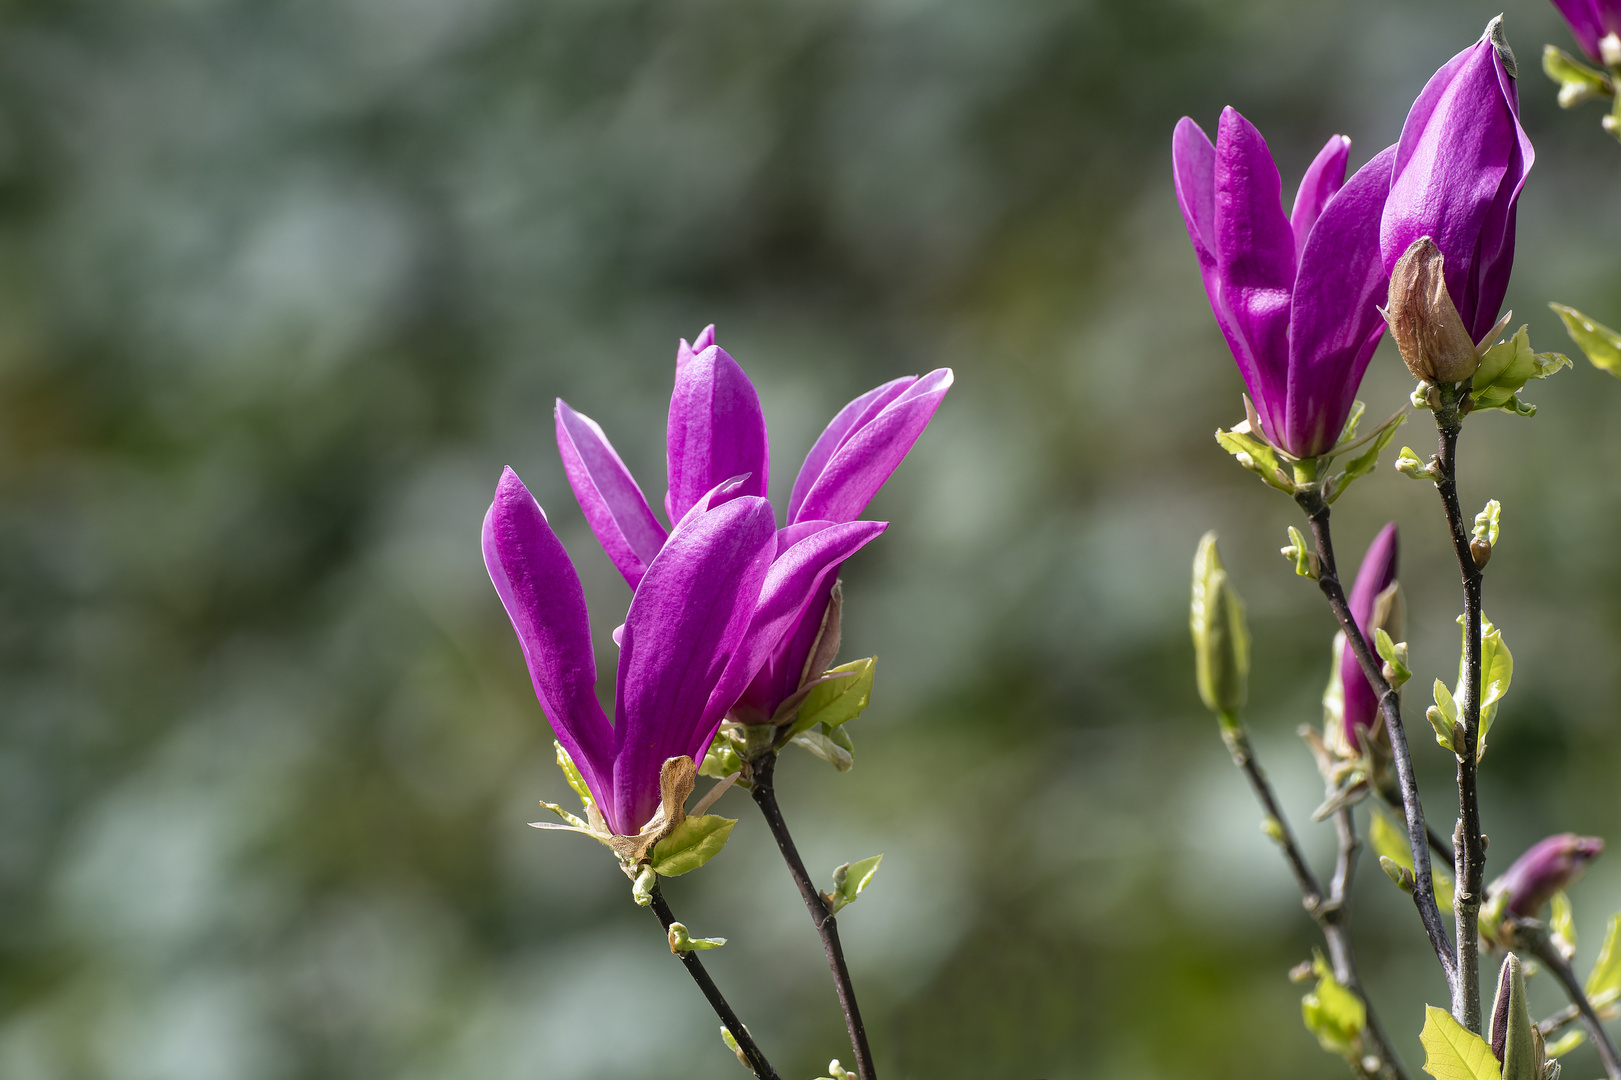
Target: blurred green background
[[284, 284]]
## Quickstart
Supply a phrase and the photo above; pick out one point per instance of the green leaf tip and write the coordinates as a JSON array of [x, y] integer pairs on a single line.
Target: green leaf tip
[[691, 844], [681, 941], [841, 698], [1333, 1013], [1600, 344], [848, 881]]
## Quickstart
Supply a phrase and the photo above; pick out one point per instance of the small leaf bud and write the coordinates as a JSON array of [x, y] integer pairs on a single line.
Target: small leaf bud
[[1398, 873], [1221, 639]]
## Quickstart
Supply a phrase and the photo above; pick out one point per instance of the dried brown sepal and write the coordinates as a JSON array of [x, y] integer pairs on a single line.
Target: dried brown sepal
[[1423, 319]]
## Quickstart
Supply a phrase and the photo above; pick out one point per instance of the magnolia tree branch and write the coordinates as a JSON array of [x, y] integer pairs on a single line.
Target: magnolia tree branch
[[1470, 859], [765, 796], [1533, 937], [1331, 912], [717, 1001], [1390, 706]]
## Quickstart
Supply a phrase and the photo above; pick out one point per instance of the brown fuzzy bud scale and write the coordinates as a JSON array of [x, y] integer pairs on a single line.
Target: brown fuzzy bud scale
[[1423, 319]]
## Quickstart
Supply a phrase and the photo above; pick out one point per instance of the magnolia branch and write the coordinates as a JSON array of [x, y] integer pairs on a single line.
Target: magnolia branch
[[745, 1042], [765, 796], [1390, 705], [1470, 859], [1332, 912]]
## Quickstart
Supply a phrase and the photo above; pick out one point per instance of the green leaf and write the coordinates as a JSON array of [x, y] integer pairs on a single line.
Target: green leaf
[[1604, 982], [1505, 368], [839, 700], [832, 745], [1409, 465], [1443, 715], [1562, 923], [641, 890], [1255, 454], [1601, 344], [1393, 654], [681, 941], [572, 773], [1366, 461], [1333, 1013], [1452, 1051], [1567, 1042], [722, 760], [848, 881], [1389, 842], [1496, 672], [1577, 82], [1299, 553], [573, 821], [1221, 637], [691, 844]]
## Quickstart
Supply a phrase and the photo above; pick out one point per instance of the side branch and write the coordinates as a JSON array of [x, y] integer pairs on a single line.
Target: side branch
[[1390, 706], [765, 796], [1533, 937], [717, 1001]]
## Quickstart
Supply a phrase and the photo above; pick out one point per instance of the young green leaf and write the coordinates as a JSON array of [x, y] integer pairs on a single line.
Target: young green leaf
[[848, 881], [1562, 924], [1487, 522], [1393, 654], [1333, 1013], [1452, 1051], [839, 700], [1567, 1042], [691, 844], [832, 745], [1389, 842], [681, 941], [1504, 370], [1604, 982], [1364, 462], [1300, 554], [1601, 344], [722, 760], [572, 773], [1255, 454], [1496, 672], [1409, 465], [1577, 82]]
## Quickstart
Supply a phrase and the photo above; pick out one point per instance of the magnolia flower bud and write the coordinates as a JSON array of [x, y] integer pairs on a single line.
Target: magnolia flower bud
[[1423, 319], [1221, 638], [1547, 867]]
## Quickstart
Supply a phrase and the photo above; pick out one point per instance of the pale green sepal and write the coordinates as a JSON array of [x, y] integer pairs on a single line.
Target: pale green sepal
[[691, 844], [1488, 522], [1365, 462], [839, 700], [1577, 82], [1562, 924], [681, 941], [565, 815], [1601, 344], [832, 745], [1604, 981], [1567, 1042], [641, 890], [1393, 654], [572, 773], [1391, 843], [583, 831], [848, 881], [1452, 1051], [1299, 553], [1504, 370], [1255, 454], [1333, 1013], [1520, 1056], [1408, 464]]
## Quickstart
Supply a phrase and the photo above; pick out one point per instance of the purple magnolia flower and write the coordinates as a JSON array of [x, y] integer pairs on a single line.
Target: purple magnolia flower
[[1590, 22], [1459, 167], [717, 448], [722, 589], [1296, 296], [1546, 867], [1373, 605]]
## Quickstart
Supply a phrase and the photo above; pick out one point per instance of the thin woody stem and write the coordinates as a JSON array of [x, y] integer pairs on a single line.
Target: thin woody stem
[[717, 1001], [765, 796], [1533, 936], [1470, 859], [1332, 913], [1328, 581]]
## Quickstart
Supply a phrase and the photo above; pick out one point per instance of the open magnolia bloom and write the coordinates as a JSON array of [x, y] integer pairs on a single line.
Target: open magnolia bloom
[[722, 588], [716, 434]]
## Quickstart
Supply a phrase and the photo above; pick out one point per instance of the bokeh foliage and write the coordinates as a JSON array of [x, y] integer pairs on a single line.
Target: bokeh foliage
[[284, 283]]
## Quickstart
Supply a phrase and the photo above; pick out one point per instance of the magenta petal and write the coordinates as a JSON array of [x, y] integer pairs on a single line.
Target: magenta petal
[[1322, 181], [541, 592], [799, 575], [867, 458], [1334, 319], [613, 504], [850, 418], [1255, 258], [1376, 574], [685, 625], [1586, 23], [685, 352], [716, 431]]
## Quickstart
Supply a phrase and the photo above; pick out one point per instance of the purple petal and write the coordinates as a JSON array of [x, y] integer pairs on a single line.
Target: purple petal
[[685, 624], [685, 352], [1376, 574], [716, 431], [538, 587], [872, 452], [1587, 23], [1322, 181], [801, 574], [1546, 867], [850, 418], [1255, 259], [723, 492], [1460, 165], [1334, 319], [613, 504]]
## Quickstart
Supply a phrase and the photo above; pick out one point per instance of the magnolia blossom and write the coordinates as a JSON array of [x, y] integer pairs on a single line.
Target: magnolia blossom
[[1591, 21], [723, 587], [1295, 296], [1547, 867], [1447, 233], [716, 442], [1375, 604]]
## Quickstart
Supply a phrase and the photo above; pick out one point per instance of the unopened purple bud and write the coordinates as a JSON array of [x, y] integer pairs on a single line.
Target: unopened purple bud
[[1547, 867]]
